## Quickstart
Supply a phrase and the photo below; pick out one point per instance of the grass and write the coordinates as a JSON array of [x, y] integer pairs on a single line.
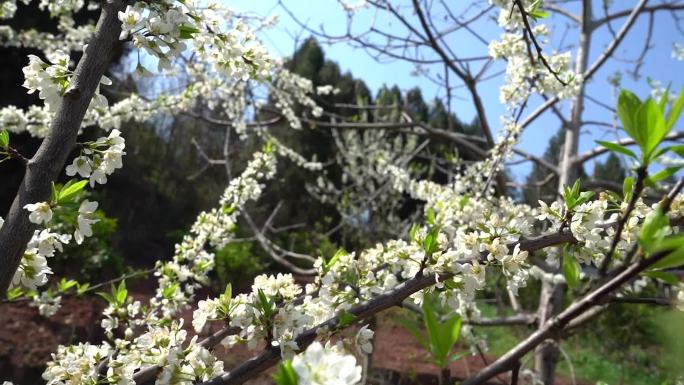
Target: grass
[[592, 357]]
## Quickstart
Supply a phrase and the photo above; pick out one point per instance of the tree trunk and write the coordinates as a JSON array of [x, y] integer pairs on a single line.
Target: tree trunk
[[49, 160], [551, 297]]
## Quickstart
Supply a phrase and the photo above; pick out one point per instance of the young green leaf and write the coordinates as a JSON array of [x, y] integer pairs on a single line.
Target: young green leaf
[[627, 187], [66, 284], [54, 193], [339, 253], [660, 175], [121, 293], [653, 230], [186, 31], [672, 260], [228, 293], [662, 104], [169, 291], [650, 128], [70, 190], [14, 293], [617, 148], [679, 150], [442, 336], [4, 139], [668, 278], [430, 216], [571, 270], [286, 374], [346, 319], [628, 103], [82, 288]]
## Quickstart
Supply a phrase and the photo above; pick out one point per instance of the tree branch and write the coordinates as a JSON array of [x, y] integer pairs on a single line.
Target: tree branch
[[48, 161]]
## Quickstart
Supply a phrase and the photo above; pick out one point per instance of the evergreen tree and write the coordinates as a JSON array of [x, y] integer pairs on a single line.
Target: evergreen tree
[[611, 170]]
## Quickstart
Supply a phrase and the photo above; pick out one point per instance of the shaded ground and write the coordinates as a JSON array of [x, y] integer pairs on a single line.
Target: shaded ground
[[27, 339]]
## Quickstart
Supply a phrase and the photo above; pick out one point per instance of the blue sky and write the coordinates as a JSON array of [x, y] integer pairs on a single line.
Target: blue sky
[[329, 14]]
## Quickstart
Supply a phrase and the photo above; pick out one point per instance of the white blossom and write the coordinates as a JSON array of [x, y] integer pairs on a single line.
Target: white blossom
[[85, 220], [40, 212], [320, 365]]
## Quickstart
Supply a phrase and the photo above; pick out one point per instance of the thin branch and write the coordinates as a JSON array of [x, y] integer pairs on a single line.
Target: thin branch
[[622, 142], [537, 46], [561, 321]]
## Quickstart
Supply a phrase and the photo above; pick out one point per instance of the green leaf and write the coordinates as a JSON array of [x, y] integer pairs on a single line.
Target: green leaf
[[430, 243], [286, 374], [413, 232], [660, 175], [653, 229], [107, 297], [442, 336], [668, 278], [170, 290], [64, 285], [228, 293], [617, 148], [674, 259], [628, 103], [535, 11], [186, 31], [650, 128], [413, 329], [584, 197], [4, 139], [430, 216], [339, 253], [54, 193], [670, 243], [70, 190], [121, 293], [265, 305], [14, 293], [539, 14], [679, 150], [675, 110], [82, 288], [571, 270], [346, 319], [662, 104], [627, 187]]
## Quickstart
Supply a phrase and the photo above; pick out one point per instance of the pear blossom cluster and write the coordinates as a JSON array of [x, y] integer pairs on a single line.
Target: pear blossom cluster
[[52, 80], [8, 8], [179, 278], [467, 234], [76, 364], [161, 29], [591, 224], [261, 320], [362, 192], [47, 304], [526, 75], [33, 269], [99, 159]]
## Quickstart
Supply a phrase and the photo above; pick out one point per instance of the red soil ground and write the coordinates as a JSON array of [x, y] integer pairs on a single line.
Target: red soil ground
[[27, 339]]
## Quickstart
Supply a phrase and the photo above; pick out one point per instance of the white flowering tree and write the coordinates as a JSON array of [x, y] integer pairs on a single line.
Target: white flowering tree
[[596, 245]]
